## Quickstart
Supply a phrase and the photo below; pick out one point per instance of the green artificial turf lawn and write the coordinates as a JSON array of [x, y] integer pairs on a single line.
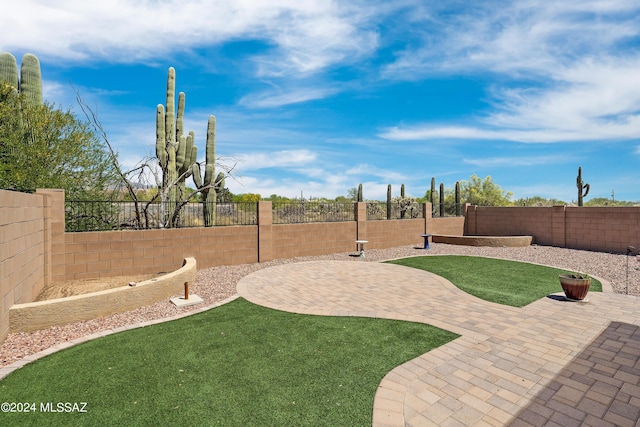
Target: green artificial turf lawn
[[500, 281], [236, 365]]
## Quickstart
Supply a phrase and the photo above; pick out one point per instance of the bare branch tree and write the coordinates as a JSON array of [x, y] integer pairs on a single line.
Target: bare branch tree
[[149, 166]]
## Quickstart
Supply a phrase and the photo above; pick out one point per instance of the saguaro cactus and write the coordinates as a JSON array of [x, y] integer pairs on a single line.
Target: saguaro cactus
[[30, 81], [402, 191], [175, 150], [432, 197], [389, 201], [9, 70], [441, 199], [209, 187], [458, 198], [581, 187], [360, 192]]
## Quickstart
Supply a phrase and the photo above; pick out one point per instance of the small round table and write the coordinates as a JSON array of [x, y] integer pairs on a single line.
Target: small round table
[[426, 241], [360, 246]]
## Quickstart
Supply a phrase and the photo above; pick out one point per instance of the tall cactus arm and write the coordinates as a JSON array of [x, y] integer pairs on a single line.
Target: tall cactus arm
[[219, 185], [581, 186], [180, 115], [209, 171], [433, 190], [28, 82], [193, 153], [186, 148], [211, 141], [170, 119], [161, 141], [197, 175], [181, 154], [579, 179], [31, 79], [172, 171], [9, 69]]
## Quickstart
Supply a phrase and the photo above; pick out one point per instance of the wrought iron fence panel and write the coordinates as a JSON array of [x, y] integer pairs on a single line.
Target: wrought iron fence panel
[[376, 211], [303, 211], [393, 210], [406, 210], [82, 215], [447, 210]]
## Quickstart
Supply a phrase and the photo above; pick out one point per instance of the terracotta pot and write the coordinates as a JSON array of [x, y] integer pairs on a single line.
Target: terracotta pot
[[574, 288]]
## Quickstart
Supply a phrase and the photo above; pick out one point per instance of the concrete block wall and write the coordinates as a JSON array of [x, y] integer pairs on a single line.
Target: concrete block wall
[[607, 229], [450, 226], [385, 234], [23, 250], [54, 235], [511, 221], [116, 253], [602, 228], [310, 239]]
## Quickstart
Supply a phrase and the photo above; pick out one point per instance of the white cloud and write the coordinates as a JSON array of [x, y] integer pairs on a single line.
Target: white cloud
[[515, 161], [278, 159], [587, 100], [629, 129], [600, 98], [430, 132], [570, 71], [265, 186], [517, 38], [331, 186], [306, 35], [277, 99], [368, 170], [52, 89]]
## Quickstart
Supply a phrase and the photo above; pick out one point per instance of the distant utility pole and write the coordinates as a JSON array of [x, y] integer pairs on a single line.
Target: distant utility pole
[[613, 196]]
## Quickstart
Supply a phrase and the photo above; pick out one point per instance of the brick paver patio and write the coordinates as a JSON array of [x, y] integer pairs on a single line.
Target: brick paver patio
[[552, 363]]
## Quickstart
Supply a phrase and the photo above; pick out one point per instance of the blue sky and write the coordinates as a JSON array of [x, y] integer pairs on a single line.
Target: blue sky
[[313, 97]]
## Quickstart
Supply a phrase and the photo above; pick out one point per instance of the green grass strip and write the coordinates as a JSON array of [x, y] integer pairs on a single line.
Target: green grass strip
[[501, 281], [237, 365]]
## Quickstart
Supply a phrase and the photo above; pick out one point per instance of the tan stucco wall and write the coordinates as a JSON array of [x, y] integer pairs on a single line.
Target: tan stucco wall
[[23, 250]]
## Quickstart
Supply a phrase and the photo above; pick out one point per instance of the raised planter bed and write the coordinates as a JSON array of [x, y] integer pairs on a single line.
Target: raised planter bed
[[61, 311], [495, 241]]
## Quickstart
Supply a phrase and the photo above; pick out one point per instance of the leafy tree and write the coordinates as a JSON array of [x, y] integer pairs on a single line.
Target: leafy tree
[[225, 195], [343, 199], [427, 195], [276, 198], [352, 193], [246, 197], [424, 199], [449, 201], [44, 147], [484, 192], [603, 201], [538, 201]]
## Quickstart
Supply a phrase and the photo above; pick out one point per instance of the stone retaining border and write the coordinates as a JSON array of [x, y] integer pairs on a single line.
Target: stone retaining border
[[33, 316], [495, 241]]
